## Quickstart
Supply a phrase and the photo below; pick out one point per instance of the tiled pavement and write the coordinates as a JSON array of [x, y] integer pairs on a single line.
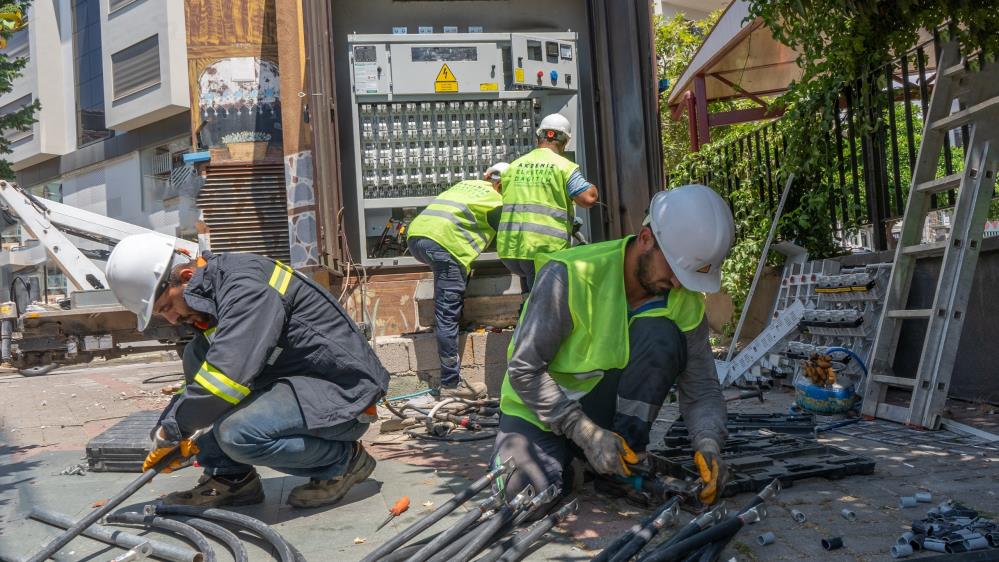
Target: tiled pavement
[[45, 422]]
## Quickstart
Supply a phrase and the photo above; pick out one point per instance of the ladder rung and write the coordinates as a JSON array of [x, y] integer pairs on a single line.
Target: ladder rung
[[925, 250], [911, 313], [894, 381], [890, 412], [956, 71], [940, 184], [966, 116]]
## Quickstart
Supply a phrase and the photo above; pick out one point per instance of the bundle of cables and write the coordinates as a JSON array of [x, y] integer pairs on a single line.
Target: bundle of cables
[[450, 419]]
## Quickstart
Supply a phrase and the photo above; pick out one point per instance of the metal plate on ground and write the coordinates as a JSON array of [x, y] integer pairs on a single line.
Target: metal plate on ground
[[756, 459], [124, 446], [797, 424]]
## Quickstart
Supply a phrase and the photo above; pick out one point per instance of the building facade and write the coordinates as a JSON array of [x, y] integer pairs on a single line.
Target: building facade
[[111, 77]]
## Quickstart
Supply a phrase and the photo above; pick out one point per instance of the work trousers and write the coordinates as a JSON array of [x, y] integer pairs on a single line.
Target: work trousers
[[268, 429], [626, 401], [523, 269], [450, 281]]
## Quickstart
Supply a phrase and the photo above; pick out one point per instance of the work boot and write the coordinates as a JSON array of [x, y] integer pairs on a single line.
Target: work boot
[[318, 492], [462, 389], [218, 491]]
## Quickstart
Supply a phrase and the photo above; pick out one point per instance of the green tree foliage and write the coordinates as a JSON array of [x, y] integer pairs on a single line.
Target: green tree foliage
[[10, 69], [840, 44], [677, 41]]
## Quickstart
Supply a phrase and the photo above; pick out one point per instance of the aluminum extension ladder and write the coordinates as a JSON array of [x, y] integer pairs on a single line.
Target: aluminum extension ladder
[[977, 92]]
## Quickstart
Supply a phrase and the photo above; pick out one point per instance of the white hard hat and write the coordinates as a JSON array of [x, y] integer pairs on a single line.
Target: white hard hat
[[555, 122], [138, 266], [694, 228], [496, 171]]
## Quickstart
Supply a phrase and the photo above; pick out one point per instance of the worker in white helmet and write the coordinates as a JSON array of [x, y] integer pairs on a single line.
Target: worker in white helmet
[[607, 330], [277, 370], [448, 235], [539, 191]]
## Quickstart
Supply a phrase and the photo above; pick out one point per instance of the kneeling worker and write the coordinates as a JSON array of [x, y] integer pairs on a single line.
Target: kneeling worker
[[448, 235], [279, 370], [606, 332]]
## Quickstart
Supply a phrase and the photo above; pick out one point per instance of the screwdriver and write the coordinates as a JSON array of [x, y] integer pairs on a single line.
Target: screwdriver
[[398, 509]]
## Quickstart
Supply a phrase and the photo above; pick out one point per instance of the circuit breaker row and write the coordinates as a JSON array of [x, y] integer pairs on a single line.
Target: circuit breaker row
[[415, 149]]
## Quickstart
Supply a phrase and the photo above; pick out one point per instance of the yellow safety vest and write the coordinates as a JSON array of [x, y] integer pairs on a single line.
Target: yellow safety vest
[[599, 308], [457, 220], [537, 211]]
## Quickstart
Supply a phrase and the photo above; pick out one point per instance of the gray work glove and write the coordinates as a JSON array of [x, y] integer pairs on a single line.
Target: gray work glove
[[714, 473], [604, 449]]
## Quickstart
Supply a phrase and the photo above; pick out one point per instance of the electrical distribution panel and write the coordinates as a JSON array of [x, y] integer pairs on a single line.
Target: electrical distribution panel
[[431, 110]]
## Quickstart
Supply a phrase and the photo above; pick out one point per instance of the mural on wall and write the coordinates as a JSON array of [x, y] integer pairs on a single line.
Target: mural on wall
[[239, 98], [302, 229]]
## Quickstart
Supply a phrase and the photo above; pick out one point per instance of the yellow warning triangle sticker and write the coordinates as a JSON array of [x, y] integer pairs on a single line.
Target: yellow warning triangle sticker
[[445, 75]]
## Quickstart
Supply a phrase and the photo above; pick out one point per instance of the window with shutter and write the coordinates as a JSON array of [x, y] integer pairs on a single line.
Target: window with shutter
[[115, 5], [136, 68], [16, 105]]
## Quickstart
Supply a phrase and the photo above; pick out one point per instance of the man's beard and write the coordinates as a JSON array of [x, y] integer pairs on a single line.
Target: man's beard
[[644, 276]]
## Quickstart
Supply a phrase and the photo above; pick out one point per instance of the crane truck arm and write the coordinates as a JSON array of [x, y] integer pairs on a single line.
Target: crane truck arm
[[49, 222], [98, 325]]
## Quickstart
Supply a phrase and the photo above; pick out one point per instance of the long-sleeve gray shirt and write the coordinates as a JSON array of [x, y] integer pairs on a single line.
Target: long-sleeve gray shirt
[[547, 322]]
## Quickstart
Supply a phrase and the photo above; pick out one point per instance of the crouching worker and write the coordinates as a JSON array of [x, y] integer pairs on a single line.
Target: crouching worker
[[607, 330], [278, 370]]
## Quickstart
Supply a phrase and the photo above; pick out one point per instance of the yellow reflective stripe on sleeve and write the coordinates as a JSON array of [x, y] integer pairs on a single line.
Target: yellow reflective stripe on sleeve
[[220, 385], [280, 278], [210, 332]]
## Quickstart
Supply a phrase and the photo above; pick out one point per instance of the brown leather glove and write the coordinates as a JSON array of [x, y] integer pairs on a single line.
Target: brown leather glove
[[162, 448]]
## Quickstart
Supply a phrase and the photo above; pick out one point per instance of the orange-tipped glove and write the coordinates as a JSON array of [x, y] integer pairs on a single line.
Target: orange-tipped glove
[[711, 468], [605, 450], [162, 448]]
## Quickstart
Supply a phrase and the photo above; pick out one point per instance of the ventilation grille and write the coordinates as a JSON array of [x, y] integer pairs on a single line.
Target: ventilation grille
[[246, 209]]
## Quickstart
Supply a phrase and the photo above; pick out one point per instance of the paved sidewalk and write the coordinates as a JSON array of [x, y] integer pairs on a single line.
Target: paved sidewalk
[[46, 421]]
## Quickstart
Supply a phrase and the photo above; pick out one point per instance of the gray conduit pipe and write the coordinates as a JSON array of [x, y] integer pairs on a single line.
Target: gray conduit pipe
[[163, 524], [117, 537]]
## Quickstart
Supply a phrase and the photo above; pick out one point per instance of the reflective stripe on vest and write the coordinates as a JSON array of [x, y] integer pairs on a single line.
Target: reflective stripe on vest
[[458, 220], [454, 220], [215, 381], [280, 277], [531, 227], [599, 338], [537, 212], [537, 209], [636, 409]]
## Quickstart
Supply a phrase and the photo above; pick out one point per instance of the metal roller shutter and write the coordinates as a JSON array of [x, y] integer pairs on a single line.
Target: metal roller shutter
[[245, 208]]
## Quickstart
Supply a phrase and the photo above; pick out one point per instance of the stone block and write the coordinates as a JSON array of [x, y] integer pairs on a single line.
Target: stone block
[[490, 348], [490, 300], [493, 377], [466, 349], [395, 353], [424, 352]]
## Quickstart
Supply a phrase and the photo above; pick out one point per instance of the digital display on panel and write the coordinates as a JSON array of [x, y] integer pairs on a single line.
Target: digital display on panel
[[444, 54]]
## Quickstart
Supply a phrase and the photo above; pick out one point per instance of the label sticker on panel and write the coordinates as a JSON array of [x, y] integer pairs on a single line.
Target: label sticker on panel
[[488, 87], [445, 81], [518, 75]]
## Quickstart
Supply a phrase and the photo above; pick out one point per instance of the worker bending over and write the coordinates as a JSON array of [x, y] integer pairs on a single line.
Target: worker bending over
[[448, 235], [538, 194], [606, 332], [278, 369]]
